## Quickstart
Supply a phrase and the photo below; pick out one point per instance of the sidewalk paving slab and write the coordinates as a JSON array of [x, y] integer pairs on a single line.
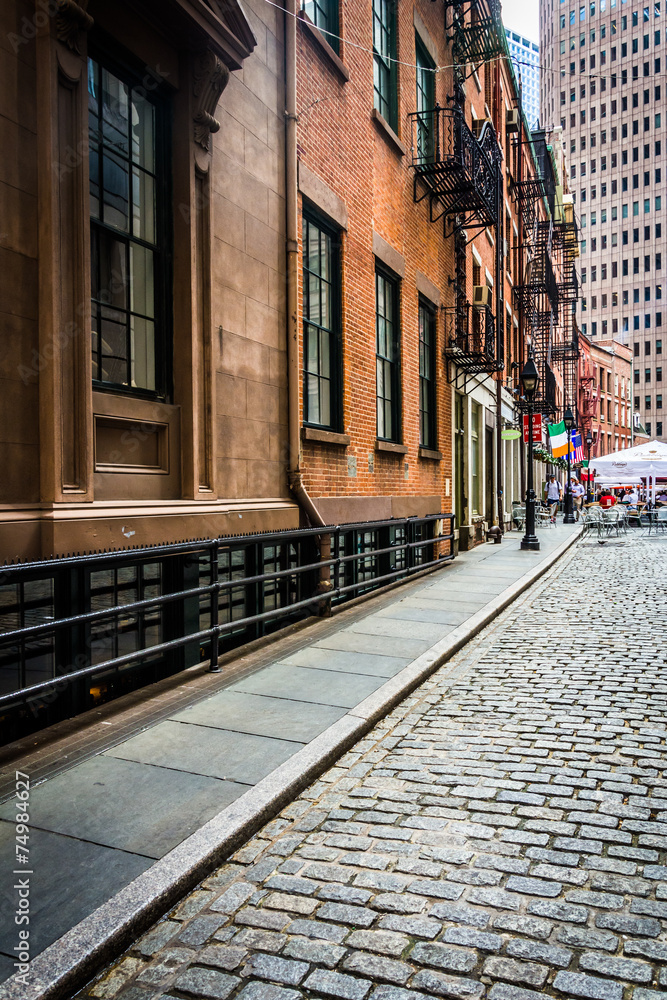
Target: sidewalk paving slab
[[224, 765]]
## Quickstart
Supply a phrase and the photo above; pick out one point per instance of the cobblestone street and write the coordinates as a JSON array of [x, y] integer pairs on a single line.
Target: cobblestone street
[[501, 834]]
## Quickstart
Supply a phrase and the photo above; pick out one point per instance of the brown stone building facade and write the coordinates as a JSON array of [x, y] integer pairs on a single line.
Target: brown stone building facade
[[142, 266]]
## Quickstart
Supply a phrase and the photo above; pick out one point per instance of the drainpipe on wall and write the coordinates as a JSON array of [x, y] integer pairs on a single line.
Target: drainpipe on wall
[[295, 479]]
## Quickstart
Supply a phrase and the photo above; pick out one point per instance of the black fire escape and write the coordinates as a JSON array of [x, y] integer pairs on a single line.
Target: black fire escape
[[537, 293], [566, 350], [460, 174], [477, 32]]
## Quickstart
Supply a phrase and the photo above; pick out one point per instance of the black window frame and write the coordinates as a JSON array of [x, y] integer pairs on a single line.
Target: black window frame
[[427, 322], [123, 65], [385, 75], [391, 364], [324, 14], [311, 217], [424, 101]]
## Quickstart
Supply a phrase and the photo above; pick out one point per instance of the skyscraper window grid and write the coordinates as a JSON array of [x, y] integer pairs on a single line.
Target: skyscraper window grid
[[602, 67]]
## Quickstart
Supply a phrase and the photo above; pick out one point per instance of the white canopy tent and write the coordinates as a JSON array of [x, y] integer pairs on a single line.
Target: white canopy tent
[[632, 464]]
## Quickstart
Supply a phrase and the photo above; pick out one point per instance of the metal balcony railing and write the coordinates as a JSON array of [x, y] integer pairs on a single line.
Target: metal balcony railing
[[78, 631], [538, 283], [477, 31], [470, 339], [459, 171]]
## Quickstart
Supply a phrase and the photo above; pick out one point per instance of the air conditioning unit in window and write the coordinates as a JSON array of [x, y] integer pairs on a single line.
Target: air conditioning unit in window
[[512, 121], [481, 297], [478, 124]]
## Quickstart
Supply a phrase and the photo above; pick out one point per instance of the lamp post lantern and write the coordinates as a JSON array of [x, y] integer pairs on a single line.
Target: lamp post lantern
[[568, 420], [589, 442], [530, 378]]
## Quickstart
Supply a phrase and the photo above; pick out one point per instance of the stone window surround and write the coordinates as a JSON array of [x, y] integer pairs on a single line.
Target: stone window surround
[[67, 424]]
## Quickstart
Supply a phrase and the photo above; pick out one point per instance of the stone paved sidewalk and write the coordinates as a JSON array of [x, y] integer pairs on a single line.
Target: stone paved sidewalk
[[501, 834]]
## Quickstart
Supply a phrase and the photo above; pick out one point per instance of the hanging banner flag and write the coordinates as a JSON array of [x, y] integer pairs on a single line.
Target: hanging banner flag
[[576, 447], [558, 439]]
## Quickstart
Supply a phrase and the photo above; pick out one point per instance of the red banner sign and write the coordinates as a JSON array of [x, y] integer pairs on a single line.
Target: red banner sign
[[537, 428]]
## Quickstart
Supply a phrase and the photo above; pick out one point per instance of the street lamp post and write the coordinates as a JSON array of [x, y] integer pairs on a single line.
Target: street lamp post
[[569, 518], [589, 442], [530, 377]]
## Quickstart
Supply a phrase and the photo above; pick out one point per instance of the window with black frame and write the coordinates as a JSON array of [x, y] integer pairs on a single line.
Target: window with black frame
[[324, 15], [387, 356], [427, 435], [128, 168], [425, 103], [384, 60], [321, 325]]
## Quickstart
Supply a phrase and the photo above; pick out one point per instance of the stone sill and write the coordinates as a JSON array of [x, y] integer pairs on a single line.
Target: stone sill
[[391, 447], [436, 456], [325, 437], [387, 132], [325, 46]]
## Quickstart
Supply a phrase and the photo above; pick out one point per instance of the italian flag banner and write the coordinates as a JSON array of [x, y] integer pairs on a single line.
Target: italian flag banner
[[558, 439]]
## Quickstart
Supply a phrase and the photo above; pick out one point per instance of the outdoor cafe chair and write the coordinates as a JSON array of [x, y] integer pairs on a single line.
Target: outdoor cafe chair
[[519, 515], [593, 521], [658, 520], [612, 521], [543, 516]]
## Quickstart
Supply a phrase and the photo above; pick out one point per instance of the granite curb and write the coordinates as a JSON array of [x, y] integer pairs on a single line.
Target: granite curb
[[69, 962]]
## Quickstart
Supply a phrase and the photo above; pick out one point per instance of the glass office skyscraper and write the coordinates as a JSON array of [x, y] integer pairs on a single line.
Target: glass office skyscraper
[[603, 65]]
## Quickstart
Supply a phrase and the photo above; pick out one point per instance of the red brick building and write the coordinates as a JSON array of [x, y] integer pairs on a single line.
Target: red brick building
[[406, 391]]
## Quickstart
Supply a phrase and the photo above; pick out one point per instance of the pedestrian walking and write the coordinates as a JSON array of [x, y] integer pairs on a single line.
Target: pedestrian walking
[[554, 492], [577, 496]]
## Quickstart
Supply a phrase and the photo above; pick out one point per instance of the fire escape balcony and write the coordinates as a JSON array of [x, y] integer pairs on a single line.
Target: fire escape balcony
[[477, 31], [526, 194], [459, 171], [537, 294], [470, 339], [545, 399], [566, 238]]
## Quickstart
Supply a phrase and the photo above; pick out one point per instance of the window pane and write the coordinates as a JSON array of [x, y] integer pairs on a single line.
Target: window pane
[[321, 342], [143, 205], [124, 274], [113, 335], [115, 112], [116, 195], [143, 132], [112, 287], [142, 339], [142, 293]]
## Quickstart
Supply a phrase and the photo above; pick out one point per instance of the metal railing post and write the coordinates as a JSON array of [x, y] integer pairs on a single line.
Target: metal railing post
[[214, 667]]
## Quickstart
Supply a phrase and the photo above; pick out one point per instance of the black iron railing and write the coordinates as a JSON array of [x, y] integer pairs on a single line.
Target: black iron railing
[[78, 631], [477, 31], [459, 170], [470, 339]]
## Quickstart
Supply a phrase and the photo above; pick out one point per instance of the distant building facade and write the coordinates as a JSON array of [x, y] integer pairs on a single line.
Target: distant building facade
[[603, 70], [526, 61], [605, 395]]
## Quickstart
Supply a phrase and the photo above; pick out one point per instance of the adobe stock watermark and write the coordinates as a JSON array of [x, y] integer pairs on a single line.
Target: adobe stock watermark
[[22, 873], [46, 11]]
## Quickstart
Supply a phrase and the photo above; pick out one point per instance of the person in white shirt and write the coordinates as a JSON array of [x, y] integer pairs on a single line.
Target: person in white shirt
[[578, 492], [631, 496], [554, 492]]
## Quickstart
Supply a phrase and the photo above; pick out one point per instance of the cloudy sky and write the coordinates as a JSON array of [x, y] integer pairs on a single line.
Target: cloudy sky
[[523, 15]]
